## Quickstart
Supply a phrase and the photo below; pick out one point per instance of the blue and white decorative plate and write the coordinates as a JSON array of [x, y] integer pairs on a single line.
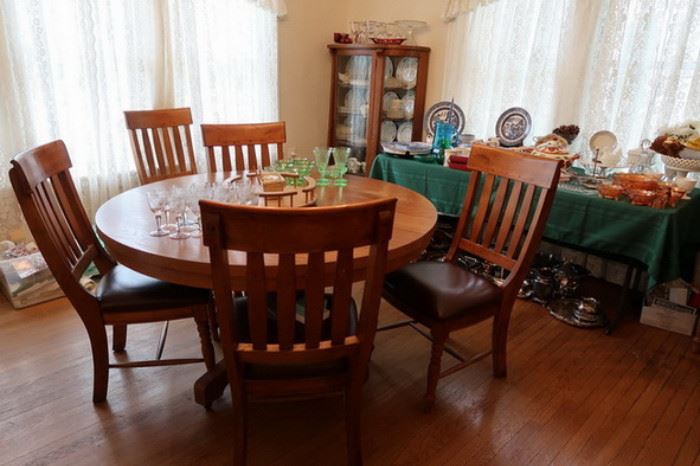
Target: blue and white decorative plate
[[513, 126], [439, 111]]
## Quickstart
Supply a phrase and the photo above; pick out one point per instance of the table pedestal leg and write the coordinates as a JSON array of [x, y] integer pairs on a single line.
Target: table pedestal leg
[[209, 387]]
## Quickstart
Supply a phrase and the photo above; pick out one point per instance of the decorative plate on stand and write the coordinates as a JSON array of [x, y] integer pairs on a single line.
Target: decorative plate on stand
[[513, 126], [603, 142], [439, 111]]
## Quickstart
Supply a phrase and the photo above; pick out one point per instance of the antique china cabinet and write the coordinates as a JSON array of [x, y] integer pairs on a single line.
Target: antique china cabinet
[[377, 95]]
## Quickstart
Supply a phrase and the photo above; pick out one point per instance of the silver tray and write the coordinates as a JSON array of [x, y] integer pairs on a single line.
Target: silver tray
[[411, 148], [564, 309]]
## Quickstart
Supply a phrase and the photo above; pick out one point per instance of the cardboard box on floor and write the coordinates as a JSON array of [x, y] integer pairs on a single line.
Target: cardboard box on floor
[[26, 281], [667, 307]]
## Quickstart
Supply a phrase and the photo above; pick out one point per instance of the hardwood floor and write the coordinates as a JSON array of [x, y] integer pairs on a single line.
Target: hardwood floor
[[571, 397]]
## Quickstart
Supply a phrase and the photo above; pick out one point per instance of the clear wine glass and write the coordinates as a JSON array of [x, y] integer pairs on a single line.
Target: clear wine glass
[[196, 211], [156, 201], [178, 205], [167, 210], [247, 194]]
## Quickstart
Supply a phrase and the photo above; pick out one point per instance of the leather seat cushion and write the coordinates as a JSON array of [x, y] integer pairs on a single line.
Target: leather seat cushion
[[255, 371], [440, 290], [242, 325], [123, 289]]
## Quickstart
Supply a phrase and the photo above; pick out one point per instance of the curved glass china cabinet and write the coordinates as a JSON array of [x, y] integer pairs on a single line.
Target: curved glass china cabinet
[[377, 95]]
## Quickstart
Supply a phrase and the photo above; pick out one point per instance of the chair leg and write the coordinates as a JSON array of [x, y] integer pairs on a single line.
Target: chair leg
[[100, 362], [201, 317], [353, 406], [499, 342], [161, 340], [439, 338], [119, 337], [240, 425], [213, 321]]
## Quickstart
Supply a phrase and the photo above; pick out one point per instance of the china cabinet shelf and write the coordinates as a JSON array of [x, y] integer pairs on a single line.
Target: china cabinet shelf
[[362, 76]]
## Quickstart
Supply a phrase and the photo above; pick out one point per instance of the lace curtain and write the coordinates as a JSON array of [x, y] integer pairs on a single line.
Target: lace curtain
[[630, 66], [278, 7], [455, 8], [68, 69]]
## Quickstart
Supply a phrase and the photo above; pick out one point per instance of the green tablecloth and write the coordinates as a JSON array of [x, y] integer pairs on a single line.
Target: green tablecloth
[[664, 240]]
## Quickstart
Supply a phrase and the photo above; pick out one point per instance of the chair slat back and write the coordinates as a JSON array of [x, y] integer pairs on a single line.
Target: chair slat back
[[56, 217], [505, 207], [242, 147], [161, 142], [306, 244]]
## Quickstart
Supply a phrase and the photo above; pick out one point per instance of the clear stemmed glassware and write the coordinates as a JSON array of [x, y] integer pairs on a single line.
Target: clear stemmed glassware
[[340, 156], [156, 201], [322, 154], [247, 194], [196, 211], [167, 210], [178, 205]]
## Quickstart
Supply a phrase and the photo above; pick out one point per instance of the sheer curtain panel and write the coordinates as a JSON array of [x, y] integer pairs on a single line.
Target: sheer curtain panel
[[68, 69], [630, 66]]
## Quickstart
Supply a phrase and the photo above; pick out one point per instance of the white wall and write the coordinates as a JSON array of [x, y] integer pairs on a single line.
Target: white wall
[[304, 60], [305, 69]]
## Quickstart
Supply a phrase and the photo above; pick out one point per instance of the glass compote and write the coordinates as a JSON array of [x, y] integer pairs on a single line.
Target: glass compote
[[340, 156], [302, 168], [156, 201], [321, 155]]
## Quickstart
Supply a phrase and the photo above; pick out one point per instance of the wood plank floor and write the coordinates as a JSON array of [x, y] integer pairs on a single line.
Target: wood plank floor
[[571, 397]]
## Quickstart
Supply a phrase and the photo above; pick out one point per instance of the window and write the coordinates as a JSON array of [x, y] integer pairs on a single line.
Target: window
[[68, 69], [629, 66]]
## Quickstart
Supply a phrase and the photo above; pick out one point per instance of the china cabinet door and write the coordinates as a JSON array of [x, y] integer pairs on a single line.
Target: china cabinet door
[[402, 98], [352, 93], [377, 95]]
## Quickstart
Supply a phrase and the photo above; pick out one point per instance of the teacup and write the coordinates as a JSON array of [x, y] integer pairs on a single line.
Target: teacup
[[684, 184]]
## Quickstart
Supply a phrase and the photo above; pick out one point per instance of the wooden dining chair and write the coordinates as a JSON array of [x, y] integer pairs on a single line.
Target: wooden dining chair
[[287, 337], [504, 213], [161, 142], [233, 147], [55, 215]]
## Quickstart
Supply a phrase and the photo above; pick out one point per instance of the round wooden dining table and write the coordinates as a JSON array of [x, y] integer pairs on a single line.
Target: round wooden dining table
[[124, 223]]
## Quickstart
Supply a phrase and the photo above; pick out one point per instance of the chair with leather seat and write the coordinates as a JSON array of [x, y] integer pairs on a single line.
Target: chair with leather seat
[[161, 142], [287, 336], [55, 215], [235, 147], [505, 209]]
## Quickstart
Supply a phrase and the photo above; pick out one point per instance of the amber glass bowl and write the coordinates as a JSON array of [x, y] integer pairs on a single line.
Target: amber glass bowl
[[636, 181], [641, 196], [610, 191], [676, 195]]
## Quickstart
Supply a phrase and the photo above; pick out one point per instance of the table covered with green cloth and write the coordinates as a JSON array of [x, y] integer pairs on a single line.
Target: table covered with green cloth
[[665, 241]]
